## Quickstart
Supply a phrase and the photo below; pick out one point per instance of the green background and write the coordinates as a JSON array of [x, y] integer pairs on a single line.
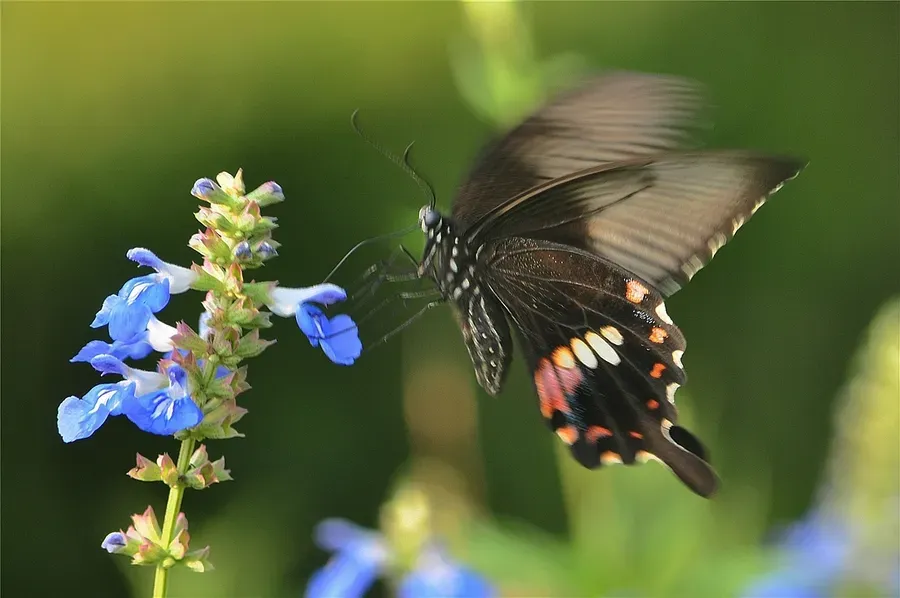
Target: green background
[[111, 111]]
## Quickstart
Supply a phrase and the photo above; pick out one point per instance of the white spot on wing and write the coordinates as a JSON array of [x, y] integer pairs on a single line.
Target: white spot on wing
[[465, 283], [676, 357], [453, 265], [670, 391], [661, 312], [457, 293], [584, 353], [612, 334], [737, 224], [602, 348], [762, 200]]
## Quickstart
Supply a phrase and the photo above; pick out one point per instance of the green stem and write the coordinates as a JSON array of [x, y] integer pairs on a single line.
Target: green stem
[[173, 507]]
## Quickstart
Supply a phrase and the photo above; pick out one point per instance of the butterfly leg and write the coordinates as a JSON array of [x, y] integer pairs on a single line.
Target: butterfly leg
[[380, 272], [409, 321]]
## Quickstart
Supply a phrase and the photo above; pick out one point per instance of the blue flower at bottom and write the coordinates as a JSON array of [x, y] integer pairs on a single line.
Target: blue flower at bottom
[[361, 555], [338, 336], [813, 556], [436, 576]]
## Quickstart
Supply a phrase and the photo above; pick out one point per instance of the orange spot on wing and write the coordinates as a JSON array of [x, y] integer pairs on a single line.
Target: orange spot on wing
[[594, 433], [637, 435], [568, 434], [635, 291], [652, 404], [658, 335], [657, 370], [564, 358]]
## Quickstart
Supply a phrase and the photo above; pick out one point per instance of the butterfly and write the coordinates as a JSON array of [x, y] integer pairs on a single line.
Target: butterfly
[[571, 231]]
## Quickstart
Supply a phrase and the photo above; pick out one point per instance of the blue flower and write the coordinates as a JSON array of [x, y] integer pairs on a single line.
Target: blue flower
[[813, 554], [361, 555], [338, 336], [161, 403], [128, 312], [156, 336], [114, 542]]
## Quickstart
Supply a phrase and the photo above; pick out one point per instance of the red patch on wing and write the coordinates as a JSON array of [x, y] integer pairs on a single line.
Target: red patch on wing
[[553, 384], [657, 370], [652, 404]]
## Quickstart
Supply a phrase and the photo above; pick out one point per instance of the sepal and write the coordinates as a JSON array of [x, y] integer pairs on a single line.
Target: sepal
[[250, 345], [145, 470], [186, 338], [204, 472]]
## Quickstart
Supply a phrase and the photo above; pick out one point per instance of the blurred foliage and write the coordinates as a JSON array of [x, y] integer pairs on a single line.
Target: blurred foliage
[[110, 111]]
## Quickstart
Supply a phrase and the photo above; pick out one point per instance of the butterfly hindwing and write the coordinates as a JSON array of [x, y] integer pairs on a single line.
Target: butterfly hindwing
[[605, 356]]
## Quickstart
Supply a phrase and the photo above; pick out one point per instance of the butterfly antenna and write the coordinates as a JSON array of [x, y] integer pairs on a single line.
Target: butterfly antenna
[[401, 162]]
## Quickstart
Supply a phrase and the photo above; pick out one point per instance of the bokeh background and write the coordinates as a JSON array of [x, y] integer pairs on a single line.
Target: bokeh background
[[110, 111]]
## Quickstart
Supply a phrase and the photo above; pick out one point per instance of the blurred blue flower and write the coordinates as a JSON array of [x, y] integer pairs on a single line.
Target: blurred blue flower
[[435, 576], [361, 555], [814, 555], [338, 336]]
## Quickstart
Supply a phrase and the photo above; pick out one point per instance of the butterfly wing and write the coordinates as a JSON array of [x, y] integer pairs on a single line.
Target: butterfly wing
[[605, 356], [661, 218], [613, 117]]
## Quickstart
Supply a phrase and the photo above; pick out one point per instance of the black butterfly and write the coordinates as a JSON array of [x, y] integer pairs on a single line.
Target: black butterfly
[[571, 230]]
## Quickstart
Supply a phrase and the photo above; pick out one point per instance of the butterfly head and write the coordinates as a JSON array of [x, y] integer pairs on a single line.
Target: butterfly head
[[429, 218]]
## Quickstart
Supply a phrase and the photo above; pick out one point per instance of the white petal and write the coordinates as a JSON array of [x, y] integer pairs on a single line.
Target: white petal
[[159, 335]]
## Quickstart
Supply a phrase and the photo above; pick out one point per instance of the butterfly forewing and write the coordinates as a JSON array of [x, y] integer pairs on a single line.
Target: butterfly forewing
[[662, 218], [613, 117]]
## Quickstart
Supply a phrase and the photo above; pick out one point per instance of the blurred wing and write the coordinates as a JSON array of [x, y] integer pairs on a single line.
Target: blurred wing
[[605, 356], [661, 218], [613, 117]]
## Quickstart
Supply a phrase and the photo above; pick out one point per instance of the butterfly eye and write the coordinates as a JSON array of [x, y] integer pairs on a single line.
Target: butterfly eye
[[428, 217]]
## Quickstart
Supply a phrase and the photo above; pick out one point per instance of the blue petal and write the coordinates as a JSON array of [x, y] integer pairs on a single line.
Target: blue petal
[[326, 294], [126, 321], [159, 413], [336, 534], [344, 576], [151, 290], [109, 364], [452, 582], [114, 542], [342, 345], [79, 418], [136, 348], [102, 317], [145, 257], [202, 188], [91, 350], [309, 319]]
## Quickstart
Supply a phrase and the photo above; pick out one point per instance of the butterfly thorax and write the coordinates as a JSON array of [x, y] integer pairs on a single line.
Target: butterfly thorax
[[453, 265]]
